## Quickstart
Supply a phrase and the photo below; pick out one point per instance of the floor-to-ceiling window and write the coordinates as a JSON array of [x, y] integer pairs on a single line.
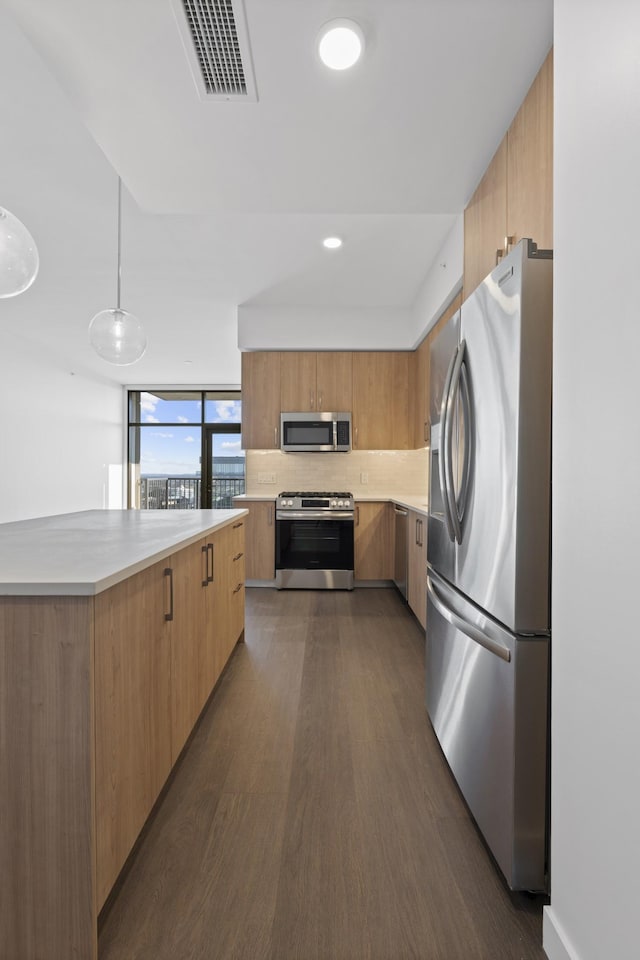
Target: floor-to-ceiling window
[[185, 449]]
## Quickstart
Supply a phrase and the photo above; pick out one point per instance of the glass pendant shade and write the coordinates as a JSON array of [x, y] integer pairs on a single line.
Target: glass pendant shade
[[117, 336], [19, 259]]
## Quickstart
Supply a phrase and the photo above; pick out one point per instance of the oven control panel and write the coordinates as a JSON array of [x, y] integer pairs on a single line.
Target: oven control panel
[[303, 500]]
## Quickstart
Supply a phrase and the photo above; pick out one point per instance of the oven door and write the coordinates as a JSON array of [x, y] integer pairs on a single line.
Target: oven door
[[314, 542]]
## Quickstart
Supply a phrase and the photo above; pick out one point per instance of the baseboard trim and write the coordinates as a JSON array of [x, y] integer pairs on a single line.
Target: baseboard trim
[[555, 942]]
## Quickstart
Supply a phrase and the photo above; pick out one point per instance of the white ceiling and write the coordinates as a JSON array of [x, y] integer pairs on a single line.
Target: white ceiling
[[229, 200]]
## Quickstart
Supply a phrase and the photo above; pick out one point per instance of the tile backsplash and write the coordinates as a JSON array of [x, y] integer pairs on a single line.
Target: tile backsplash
[[365, 473]]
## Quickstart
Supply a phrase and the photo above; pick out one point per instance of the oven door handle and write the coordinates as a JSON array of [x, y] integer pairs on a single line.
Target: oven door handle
[[314, 515]]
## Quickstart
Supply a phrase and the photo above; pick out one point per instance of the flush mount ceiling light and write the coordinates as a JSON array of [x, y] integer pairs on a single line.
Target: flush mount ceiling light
[[340, 44], [19, 259], [115, 334], [332, 243]]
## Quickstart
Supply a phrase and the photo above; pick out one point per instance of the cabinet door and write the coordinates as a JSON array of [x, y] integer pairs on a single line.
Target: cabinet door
[[485, 222], [373, 541], [132, 714], [417, 573], [260, 539], [530, 163], [334, 381], [228, 591], [298, 381], [421, 395], [381, 401], [191, 667], [261, 400]]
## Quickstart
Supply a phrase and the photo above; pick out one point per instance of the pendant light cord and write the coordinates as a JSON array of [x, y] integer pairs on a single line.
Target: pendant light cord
[[119, 241]]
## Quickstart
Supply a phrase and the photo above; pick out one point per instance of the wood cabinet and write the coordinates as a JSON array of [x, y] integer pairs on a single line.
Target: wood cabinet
[[417, 565], [260, 538], [133, 714], [373, 541], [261, 400], [316, 381], [381, 401], [420, 378], [98, 692], [514, 199]]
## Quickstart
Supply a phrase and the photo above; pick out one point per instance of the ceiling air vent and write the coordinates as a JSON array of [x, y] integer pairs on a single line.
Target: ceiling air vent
[[214, 33]]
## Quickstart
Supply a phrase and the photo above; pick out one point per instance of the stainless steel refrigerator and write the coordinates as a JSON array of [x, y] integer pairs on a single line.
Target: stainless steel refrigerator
[[488, 551]]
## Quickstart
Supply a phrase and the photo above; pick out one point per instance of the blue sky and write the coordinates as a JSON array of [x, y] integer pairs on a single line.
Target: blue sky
[[174, 449]]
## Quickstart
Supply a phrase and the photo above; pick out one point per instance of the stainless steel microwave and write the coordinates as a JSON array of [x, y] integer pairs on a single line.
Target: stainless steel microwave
[[315, 432]]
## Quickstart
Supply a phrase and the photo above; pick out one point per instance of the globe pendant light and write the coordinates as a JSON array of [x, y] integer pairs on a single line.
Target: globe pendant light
[[115, 334], [19, 260]]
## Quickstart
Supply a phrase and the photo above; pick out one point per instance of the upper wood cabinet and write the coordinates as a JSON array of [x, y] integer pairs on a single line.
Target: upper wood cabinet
[[316, 381], [530, 163], [261, 400], [420, 383], [514, 199], [381, 401]]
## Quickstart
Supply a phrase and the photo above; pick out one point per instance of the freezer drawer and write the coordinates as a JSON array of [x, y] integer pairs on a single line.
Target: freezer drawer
[[487, 699]]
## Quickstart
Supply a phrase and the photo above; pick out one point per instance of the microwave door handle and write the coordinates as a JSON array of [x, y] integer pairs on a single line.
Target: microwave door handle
[[335, 434]]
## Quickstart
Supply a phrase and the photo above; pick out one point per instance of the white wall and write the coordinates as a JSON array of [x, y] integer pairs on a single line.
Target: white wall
[[61, 436], [441, 284], [595, 832]]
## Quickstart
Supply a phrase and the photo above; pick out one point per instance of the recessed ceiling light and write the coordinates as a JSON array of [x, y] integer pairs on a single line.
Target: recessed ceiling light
[[340, 44], [332, 243]]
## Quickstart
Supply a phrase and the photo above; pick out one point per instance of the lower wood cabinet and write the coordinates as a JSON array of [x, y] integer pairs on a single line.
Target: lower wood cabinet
[[417, 565], [373, 541], [260, 538], [133, 715]]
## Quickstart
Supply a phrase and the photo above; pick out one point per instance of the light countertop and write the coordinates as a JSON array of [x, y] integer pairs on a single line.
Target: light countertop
[[81, 554]]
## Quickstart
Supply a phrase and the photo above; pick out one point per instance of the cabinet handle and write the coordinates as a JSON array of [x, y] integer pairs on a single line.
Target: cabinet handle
[[236, 525], [319, 401], [275, 429], [499, 256], [357, 516], [210, 550], [239, 587], [310, 399], [508, 244], [426, 431], [168, 572], [355, 437], [205, 550], [237, 556], [417, 534]]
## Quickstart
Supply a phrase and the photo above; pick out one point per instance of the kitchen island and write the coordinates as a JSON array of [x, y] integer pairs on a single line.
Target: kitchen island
[[114, 628]]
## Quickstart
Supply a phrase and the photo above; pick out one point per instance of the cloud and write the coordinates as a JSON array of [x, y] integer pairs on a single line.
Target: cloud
[[148, 402], [230, 445], [189, 440], [150, 419], [227, 410], [182, 419], [164, 436]]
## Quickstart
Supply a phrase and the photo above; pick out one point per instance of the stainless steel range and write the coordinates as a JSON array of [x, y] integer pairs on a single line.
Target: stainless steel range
[[314, 540]]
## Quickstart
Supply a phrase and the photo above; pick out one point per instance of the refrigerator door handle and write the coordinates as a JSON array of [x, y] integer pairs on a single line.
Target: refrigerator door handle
[[468, 435], [454, 385], [469, 629], [443, 465]]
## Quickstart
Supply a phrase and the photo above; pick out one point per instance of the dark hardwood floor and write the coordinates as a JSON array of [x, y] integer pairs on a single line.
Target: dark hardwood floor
[[312, 815]]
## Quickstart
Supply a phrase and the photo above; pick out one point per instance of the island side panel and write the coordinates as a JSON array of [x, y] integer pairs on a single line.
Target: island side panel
[[47, 877]]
